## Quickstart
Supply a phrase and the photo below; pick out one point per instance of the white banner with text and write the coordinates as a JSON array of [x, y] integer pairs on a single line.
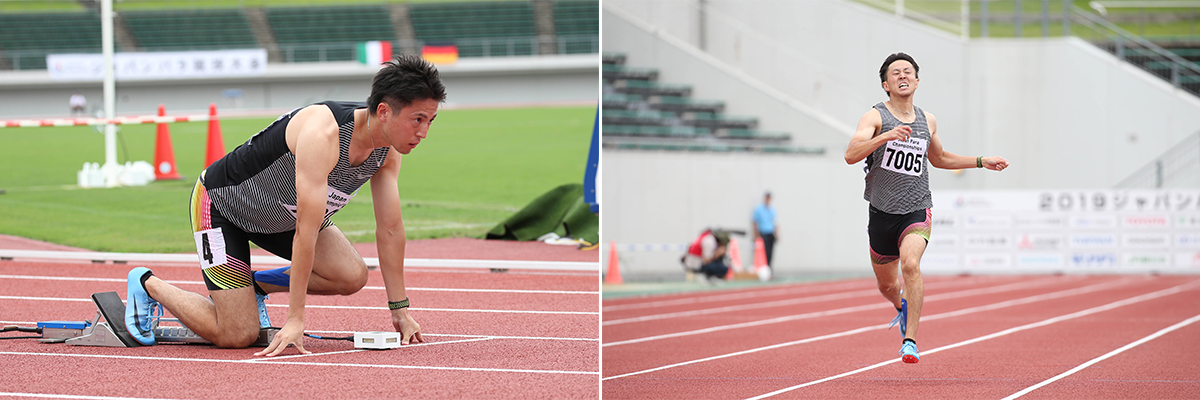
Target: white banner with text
[[159, 65], [1074, 231]]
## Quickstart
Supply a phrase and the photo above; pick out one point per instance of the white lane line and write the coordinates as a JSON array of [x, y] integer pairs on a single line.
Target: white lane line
[[519, 291], [1136, 343], [72, 396], [802, 300], [804, 289], [210, 360], [349, 307], [328, 353], [965, 311], [445, 310], [839, 311], [569, 339], [472, 336], [1077, 314]]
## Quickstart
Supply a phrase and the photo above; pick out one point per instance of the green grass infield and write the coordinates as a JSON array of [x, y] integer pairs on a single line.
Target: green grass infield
[[476, 168]]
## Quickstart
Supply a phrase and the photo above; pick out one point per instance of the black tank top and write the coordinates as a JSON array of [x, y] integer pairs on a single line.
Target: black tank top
[[254, 186]]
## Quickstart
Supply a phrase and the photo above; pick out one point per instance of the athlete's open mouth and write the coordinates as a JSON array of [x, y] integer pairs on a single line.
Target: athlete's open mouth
[[903, 85]]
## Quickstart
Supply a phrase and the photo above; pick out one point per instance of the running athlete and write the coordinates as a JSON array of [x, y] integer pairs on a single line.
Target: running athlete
[[279, 190], [898, 139]]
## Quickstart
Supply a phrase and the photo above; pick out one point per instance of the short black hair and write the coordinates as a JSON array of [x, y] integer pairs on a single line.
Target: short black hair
[[404, 79], [893, 58]]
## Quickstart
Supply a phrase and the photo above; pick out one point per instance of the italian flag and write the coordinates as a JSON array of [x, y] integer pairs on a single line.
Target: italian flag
[[374, 52], [440, 54]]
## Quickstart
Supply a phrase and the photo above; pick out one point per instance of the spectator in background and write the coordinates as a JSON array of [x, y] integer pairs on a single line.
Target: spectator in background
[[765, 227], [78, 104], [706, 255]]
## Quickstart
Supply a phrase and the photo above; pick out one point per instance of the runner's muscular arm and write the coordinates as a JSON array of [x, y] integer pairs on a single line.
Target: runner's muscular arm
[[940, 158], [864, 141], [390, 240], [312, 135]]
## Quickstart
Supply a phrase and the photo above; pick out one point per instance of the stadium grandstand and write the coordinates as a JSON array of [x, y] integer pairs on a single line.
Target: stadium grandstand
[[643, 114], [310, 32], [290, 53]]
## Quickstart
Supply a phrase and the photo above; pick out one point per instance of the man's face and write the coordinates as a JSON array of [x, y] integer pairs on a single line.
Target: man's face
[[405, 129], [767, 199], [901, 78]]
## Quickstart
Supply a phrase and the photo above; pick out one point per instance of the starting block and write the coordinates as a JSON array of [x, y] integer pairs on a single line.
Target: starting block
[[376, 340], [112, 333]]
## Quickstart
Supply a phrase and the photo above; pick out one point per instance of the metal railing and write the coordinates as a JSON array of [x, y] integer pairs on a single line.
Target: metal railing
[[1177, 167], [1129, 47]]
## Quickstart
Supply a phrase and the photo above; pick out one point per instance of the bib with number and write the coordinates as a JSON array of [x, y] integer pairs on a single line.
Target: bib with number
[[906, 157]]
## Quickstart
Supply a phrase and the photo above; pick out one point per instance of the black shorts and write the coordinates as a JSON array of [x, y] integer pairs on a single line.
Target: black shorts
[[886, 231], [224, 248]]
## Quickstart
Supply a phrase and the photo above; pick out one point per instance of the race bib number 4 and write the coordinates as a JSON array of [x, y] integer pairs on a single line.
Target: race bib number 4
[[906, 157], [210, 246]]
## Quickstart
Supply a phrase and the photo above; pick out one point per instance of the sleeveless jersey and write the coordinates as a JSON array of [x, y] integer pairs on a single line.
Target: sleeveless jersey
[[897, 180], [254, 186]]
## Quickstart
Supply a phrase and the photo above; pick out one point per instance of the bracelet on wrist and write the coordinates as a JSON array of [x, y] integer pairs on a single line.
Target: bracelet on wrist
[[979, 162], [396, 305]]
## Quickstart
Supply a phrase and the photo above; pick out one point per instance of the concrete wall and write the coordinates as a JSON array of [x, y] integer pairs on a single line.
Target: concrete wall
[[469, 83], [1064, 113]]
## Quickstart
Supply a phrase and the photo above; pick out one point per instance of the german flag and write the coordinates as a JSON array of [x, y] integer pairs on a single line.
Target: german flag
[[440, 53]]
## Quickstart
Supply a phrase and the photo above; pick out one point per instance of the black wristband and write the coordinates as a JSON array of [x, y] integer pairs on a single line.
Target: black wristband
[[396, 305]]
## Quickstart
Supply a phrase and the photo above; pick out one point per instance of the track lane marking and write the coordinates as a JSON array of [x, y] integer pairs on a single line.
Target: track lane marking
[[1077, 314], [348, 307], [965, 311], [1106, 356], [702, 297], [293, 363], [846, 310], [789, 302], [90, 279]]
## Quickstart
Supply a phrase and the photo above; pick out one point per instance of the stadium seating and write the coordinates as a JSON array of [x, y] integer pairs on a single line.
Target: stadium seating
[[189, 30], [26, 38], [575, 23], [479, 29], [303, 30], [641, 113], [307, 33]]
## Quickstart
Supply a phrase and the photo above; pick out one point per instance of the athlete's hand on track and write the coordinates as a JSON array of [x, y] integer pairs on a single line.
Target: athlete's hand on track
[[292, 333], [407, 326], [995, 163], [901, 132]]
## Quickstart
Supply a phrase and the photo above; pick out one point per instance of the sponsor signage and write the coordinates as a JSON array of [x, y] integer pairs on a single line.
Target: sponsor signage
[[159, 65], [1067, 230]]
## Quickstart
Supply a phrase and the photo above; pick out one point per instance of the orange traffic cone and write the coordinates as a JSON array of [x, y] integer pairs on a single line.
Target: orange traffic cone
[[216, 145], [736, 256], [760, 255], [164, 155], [614, 266]]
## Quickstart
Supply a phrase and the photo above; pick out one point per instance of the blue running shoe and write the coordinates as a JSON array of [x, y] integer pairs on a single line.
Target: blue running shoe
[[264, 320], [901, 318], [139, 308], [909, 353]]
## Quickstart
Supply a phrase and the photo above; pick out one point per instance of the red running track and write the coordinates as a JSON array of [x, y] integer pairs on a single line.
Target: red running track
[[987, 337], [520, 334]]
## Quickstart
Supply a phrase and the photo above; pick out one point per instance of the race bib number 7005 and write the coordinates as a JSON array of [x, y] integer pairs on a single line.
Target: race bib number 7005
[[906, 157]]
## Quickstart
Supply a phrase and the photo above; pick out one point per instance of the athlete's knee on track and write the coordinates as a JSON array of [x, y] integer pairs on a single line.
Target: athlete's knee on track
[[236, 338], [353, 280]]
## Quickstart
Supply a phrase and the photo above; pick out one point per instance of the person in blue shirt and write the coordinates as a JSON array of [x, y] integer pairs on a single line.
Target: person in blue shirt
[[765, 227]]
